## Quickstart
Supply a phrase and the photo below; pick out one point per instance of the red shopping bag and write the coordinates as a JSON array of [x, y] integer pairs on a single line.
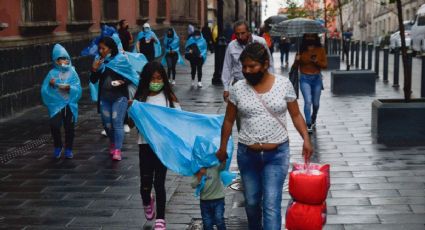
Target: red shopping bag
[[301, 216], [309, 183]]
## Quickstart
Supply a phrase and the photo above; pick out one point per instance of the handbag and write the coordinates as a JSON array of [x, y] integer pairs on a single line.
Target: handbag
[[294, 78]]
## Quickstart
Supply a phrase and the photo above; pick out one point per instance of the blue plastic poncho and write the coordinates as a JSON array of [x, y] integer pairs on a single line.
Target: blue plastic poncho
[[173, 135], [127, 64], [149, 34], [201, 43], [203, 156], [54, 98], [137, 60], [92, 49], [174, 45]]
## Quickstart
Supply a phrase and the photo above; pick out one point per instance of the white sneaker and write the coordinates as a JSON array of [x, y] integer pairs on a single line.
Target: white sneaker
[[193, 83], [126, 128], [104, 133], [199, 84], [173, 82]]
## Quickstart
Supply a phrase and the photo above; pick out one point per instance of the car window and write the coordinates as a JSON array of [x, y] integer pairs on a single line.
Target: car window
[[407, 26], [421, 20]]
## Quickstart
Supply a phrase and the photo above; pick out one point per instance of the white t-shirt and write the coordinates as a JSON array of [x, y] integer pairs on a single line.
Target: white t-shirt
[[257, 124], [159, 100]]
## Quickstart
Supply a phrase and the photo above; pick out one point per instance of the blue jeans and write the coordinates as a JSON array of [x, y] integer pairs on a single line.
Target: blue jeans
[[113, 114], [212, 212], [311, 88], [263, 175]]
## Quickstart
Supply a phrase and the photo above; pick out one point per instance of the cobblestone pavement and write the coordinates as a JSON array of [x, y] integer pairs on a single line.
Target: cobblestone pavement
[[373, 186]]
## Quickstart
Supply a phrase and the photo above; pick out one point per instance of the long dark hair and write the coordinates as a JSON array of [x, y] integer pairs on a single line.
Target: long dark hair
[[110, 43], [143, 91], [305, 43], [256, 52]]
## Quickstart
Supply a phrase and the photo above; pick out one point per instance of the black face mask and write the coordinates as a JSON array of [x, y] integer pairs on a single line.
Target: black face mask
[[253, 78], [170, 35]]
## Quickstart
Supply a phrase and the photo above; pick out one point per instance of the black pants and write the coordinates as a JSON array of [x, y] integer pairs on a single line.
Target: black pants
[[65, 118], [171, 59], [152, 171], [196, 65]]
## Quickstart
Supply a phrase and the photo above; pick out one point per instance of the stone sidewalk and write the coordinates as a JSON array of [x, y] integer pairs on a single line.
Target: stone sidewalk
[[373, 186]]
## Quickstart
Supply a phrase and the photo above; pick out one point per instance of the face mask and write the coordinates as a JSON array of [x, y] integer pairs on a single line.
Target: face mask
[[170, 35], [155, 87], [147, 29], [253, 78], [197, 37], [108, 56]]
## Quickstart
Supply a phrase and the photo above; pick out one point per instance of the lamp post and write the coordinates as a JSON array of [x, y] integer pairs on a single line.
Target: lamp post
[[220, 46]]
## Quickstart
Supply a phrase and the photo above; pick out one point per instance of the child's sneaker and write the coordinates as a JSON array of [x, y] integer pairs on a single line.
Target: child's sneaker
[[57, 153], [68, 154], [117, 155], [150, 209], [111, 149], [159, 224]]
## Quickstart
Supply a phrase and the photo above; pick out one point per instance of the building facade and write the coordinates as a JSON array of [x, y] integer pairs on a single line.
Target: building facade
[[369, 20], [30, 28]]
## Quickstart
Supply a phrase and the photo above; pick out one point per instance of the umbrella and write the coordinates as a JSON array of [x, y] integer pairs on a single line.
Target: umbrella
[[297, 27], [272, 20]]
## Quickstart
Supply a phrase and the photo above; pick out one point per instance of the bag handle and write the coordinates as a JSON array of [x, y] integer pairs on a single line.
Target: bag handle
[[268, 110]]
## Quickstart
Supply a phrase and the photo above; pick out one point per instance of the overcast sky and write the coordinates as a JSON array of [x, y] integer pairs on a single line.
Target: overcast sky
[[273, 6]]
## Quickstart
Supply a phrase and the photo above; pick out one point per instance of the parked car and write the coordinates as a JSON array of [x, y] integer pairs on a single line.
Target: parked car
[[418, 30], [395, 39]]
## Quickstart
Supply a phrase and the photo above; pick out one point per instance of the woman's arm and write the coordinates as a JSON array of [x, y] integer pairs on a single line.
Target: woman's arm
[[301, 127], [226, 130], [322, 60]]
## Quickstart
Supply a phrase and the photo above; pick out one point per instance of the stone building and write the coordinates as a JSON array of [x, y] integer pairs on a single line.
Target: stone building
[[30, 28], [234, 10]]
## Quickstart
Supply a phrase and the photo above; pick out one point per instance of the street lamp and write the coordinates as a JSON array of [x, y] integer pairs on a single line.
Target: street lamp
[[220, 46]]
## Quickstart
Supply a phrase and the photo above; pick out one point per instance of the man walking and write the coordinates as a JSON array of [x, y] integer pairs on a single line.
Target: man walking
[[232, 67]]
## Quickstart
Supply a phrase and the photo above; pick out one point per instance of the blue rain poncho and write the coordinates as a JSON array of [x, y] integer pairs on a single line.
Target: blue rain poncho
[[201, 43], [137, 60], [56, 99], [127, 64], [92, 49], [180, 138], [174, 45], [147, 35]]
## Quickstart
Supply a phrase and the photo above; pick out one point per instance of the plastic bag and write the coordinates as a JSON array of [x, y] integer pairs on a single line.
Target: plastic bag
[[301, 216], [309, 183]]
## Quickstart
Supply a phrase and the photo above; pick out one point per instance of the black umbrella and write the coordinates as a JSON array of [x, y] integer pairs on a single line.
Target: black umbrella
[[272, 20]]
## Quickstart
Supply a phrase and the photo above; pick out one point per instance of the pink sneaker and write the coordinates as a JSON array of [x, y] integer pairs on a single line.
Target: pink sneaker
[[150, 209], [111, 149], [159, 224], [117, 155]]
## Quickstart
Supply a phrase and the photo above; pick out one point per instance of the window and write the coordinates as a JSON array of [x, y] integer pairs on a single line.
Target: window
[[144, 8], [39, 10], [80, 10], [162, 6], [110, 10], [421, 21]]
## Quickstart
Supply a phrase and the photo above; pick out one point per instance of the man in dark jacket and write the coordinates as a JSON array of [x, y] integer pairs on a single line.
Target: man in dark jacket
[[206, 33], [125, 35]]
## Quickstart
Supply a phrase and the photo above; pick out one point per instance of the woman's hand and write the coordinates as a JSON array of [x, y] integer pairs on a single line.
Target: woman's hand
[[298, 57], [129, 102], [201, 172], [221, 155], [307, 150], [96, 65]]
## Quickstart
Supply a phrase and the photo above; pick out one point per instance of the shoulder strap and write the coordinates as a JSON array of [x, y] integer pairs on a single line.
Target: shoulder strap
[[268, 110]]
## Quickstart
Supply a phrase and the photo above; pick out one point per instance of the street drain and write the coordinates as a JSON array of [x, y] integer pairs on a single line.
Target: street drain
[[231, 224], [20, 151]]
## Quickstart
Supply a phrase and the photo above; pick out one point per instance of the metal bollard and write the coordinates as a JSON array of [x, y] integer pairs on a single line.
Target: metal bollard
[[357, 54], [353, 47], [396, 68], [386, 56], [423, 76], [377, 52], [363, 54], [369, 56]]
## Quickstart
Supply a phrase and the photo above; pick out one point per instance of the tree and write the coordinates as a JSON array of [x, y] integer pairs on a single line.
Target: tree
[[295, 11]]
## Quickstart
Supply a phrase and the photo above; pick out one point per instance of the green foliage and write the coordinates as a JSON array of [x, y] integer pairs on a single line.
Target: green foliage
[[294, 10]]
